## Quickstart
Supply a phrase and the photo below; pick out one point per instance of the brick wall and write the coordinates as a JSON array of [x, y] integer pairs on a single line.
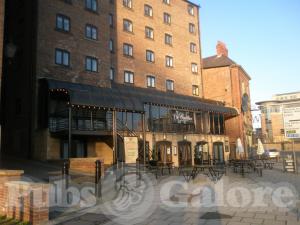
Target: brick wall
[[180, 50], [85, 165]]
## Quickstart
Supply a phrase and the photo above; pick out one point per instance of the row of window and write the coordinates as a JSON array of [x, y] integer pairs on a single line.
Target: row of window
[[62, 57], [150, 57], [149, 10]]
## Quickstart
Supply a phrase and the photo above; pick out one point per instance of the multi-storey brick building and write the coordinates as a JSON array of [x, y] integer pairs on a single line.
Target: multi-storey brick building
[[224, 80], [94, 72]]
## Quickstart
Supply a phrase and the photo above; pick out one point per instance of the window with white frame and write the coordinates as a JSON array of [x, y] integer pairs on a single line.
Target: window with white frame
[[63, 23], [112, 73], [127, 49], [170, 85], [167, 18], [191, 10], [127, 3], [62, 57], [195, 90], [128, 77], [151, 81], [148, 10], [169, 61], [166, 2], [127, 25], [192, 28], [168, 39], [91, 32], [91, 5], [91, 64], [150, 56], [194, 68], [149, 33], [193, 47]]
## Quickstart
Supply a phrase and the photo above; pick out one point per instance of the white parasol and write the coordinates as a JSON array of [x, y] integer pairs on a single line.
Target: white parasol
[[260, 148]]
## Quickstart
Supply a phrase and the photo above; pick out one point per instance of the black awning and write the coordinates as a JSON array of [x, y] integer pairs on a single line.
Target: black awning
[[124, 97]]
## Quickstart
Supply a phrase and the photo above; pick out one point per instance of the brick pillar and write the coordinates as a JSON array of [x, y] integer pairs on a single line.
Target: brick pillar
[[5, 176], [28, 202]]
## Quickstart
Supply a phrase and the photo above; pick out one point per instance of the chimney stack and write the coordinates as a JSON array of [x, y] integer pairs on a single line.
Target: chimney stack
[[221, 49]]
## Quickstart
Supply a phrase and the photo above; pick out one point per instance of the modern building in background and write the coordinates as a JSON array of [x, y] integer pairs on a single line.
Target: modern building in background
[[226, 81], [272, 122], [87, 74]]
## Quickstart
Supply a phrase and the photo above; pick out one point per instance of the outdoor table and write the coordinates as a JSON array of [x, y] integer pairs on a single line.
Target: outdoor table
[[241, 166], [187, 172]]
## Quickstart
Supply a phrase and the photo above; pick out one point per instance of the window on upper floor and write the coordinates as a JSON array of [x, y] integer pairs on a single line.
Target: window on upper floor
[[169, 61], [194, 68], [195, 90], [91, 64], [91, 32], [127, 49], [111, 20], [148, 10], [127, 25], [127, 3], [128, 77], [170, 85], [168, 39], [63, 23], [191, 10], [112, 73], [150, 56], [192, 28], [111, 45], [91, 5], [62, 57], [151, 81], [193, 48], [166, 2], [149, 33], [167, 18]]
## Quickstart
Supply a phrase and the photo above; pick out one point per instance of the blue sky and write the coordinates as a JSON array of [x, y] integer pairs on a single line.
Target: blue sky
[[262, 35]]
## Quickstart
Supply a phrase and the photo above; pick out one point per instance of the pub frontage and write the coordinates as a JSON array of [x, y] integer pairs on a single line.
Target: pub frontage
[[82, 121]]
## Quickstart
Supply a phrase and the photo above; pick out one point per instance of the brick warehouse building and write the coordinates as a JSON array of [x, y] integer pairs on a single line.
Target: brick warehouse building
[[232, 86], [87, 74]]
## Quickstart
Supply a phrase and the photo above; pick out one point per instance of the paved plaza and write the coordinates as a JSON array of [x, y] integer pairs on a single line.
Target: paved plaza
[[174, 201]]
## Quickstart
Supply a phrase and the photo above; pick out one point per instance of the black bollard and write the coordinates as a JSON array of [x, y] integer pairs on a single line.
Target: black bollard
[[65, 179], [98, 193]]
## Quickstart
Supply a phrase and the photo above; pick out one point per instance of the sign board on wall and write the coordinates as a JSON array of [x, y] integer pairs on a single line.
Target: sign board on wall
[[182, 117], [131, 149], [291, 117]]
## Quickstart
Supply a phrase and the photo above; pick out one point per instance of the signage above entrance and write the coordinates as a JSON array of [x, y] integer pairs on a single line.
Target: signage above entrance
[[182, 117], [131, 149]]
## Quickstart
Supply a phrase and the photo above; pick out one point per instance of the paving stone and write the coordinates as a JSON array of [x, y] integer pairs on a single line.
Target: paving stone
[[274, 222], [253, 220], [264, 216], [245, 214], [78, 222], [238, 223]]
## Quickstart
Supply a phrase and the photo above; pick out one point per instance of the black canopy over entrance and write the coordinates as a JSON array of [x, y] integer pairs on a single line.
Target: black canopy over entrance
[[123, 97]]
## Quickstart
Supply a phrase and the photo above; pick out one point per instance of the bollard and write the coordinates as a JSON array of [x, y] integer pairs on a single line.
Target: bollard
[[98, 193]]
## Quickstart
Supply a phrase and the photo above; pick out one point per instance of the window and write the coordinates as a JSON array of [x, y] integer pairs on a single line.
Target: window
[[194, 68], [149, 33], [167, 18], [128, 77], [63, 23], [168, 39], [62, 57], [111, 20], [127, 3], [91, 5], [170, 85], [127, 25], [149, 56], [148, 11], [151, 81], [91, 32], [192, 28], [193, 47], [91, 64], [112, 73], [191, 10], [128, 50], [195, 90], [169, 61], [166, 2], [111, 45]]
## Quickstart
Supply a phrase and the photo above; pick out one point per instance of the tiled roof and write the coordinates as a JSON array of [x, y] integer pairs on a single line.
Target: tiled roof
[[217, 61]]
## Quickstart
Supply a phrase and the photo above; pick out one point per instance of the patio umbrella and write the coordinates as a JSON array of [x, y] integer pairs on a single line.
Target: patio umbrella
[[239, 147], [260, 148]]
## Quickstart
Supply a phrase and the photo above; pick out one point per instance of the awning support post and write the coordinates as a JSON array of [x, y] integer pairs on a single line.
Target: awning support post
[[115, 140], [70, 133], [144, 138]]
